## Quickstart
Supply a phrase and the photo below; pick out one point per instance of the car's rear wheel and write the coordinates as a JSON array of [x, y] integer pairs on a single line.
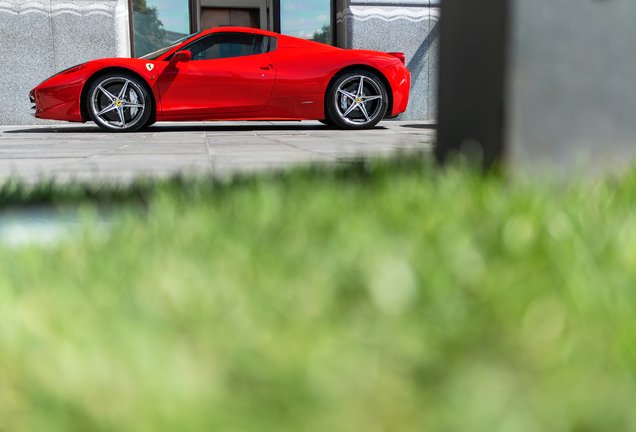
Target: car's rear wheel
[[357, 100], [119, 102]]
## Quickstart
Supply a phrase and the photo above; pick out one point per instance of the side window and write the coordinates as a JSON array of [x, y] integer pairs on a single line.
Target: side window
[[202, 48], [270, 43], [239, 45], [221, 46]]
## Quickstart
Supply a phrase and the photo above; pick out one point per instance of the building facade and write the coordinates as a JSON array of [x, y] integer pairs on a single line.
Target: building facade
[[41, 37]]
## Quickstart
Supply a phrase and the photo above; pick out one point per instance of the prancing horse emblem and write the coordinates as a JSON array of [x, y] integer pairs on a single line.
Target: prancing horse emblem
[[150, 66]]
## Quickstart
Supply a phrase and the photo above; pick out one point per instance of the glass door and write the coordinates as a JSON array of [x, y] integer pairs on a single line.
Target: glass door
[[241, 13], [241, 17]]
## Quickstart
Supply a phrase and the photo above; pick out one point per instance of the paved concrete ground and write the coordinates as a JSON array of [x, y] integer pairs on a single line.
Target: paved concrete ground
[[84, 152]]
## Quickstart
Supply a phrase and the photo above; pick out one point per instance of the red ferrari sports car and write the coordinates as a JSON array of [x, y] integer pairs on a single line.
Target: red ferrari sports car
[[230, 73]]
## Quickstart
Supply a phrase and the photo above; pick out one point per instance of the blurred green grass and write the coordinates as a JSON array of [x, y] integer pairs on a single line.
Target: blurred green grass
[[383, 296]]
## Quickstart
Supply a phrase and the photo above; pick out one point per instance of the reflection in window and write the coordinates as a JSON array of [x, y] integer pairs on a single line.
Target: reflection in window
[[158, 23], [226, 46], [307, 19]]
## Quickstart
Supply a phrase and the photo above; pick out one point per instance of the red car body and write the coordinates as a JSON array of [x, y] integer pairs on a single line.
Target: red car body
[[287, 83]]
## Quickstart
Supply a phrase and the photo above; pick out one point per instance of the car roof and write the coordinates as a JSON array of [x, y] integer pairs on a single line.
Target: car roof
[[248, 30]]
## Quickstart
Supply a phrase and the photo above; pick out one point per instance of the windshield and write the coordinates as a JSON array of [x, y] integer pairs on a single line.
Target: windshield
[[155, 55]]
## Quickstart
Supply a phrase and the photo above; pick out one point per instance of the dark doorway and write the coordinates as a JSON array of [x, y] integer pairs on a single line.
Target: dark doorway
[[216, 17]]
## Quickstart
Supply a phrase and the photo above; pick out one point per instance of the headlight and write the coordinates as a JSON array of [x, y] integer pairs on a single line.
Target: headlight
[[69, 70]]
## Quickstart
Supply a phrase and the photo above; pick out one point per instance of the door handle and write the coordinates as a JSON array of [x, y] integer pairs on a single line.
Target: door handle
[[265, 67]]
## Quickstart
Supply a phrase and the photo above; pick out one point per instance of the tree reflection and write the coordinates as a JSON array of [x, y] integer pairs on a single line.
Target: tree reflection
[[149, 32], [323, 35]]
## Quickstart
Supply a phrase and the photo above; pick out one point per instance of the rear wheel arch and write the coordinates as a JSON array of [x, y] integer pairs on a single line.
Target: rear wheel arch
[[368, 68], [87, 85]]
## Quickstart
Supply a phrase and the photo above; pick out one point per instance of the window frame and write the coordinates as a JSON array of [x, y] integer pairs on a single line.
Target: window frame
[[195, 21]]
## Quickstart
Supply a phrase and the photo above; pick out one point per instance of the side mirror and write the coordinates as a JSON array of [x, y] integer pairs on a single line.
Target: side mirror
[[183, 56]]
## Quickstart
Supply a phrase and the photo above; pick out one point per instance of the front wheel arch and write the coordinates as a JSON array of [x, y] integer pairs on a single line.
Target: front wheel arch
[[87, 85], [368, 68]]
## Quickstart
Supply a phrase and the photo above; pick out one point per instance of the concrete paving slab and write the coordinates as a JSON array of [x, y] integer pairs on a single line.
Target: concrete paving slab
[[72, 152]]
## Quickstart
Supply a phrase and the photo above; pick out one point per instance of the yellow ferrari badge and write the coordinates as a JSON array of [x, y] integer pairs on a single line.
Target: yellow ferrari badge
[[150, 66]]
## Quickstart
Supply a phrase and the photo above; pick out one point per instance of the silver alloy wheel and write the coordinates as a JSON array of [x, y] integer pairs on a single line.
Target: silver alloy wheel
[[118, 103], [358, 100]]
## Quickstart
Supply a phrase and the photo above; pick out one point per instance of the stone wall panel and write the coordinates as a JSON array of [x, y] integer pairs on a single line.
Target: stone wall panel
[[42, 38], [403, 26]]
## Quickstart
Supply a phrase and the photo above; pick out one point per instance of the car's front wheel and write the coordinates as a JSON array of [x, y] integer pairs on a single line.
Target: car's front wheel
[[357, 100], [119, 102]]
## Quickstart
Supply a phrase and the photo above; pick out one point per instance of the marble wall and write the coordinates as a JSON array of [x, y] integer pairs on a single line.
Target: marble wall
[[409, 26], [40, 38]]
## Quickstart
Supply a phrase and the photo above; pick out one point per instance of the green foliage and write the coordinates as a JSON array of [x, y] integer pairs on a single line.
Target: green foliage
[[323, 35], [388, 296], [149, 32]]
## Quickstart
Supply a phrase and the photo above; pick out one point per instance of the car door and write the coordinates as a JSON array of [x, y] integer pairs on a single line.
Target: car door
[[228, 73]]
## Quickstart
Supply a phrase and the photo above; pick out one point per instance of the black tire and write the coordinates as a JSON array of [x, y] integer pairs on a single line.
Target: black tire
[[356, 100], [119, 102], [327, 122], [149, 123]]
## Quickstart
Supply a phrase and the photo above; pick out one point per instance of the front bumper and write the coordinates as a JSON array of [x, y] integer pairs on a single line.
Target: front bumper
[[57, 101], [59, 97]]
